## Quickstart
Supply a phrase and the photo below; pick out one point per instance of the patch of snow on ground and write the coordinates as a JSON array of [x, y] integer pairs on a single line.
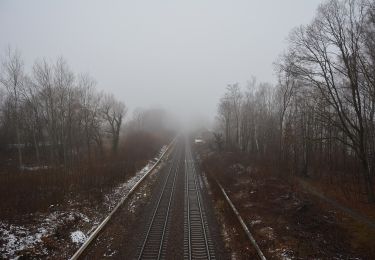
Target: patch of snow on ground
[[122, 189], [284, 253], [34, 168], [16, 238], [110, 253], [255, 222], [78, 237]]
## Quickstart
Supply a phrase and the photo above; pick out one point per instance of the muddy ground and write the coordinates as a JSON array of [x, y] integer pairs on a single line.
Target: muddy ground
[[287, 222]]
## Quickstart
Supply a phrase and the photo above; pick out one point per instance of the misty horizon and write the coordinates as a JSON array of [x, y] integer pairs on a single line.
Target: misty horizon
[[166, 55]]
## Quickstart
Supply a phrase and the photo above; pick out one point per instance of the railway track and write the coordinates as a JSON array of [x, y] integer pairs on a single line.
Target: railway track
[[197, 242], [180, 172], [154, 243]]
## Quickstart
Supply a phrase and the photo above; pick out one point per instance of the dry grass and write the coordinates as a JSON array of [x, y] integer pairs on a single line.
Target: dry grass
[[315, 228], [30, 191]]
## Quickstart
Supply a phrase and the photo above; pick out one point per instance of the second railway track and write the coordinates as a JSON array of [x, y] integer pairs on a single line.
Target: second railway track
[[197, 242]]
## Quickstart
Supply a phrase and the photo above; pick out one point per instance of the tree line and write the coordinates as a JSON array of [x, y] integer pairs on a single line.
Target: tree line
[[319, 117], [53, 116]]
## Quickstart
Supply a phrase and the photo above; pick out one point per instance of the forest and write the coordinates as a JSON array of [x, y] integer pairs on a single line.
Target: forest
[[59, 115], [318, 120], [56, 127]]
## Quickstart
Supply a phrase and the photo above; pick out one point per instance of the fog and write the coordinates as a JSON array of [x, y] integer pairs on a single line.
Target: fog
[[179, 55]]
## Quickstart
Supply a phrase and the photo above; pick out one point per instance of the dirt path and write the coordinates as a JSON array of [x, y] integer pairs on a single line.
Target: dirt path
[[353, 213]]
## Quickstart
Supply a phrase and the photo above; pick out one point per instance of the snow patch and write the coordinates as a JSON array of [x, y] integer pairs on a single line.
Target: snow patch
[[286, 255], [17, 238], [122, 189], [34, 168], [255, 222], [78, 237]]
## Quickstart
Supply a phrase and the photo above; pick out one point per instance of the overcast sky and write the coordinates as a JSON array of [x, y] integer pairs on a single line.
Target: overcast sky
[[176, 54]]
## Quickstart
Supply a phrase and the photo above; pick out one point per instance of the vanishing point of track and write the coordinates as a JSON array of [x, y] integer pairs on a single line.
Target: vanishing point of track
[[197, 243]]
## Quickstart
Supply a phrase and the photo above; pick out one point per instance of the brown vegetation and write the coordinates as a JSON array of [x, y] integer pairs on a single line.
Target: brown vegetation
[[285, 220], [30, 191]]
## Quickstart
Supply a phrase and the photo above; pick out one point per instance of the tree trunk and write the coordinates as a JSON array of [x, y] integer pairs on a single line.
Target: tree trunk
[[36, 147], [368, 179], [19, 146]]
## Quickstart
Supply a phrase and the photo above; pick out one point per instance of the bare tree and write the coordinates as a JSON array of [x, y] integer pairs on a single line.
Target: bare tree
[[90, 110], [32, 114], [285, 92], [113, 112], [321, 114], [43, 79], [218, 138], [138, 118], [327, 54], [63, 80], [225, 116], [12, 77], [234, 97]]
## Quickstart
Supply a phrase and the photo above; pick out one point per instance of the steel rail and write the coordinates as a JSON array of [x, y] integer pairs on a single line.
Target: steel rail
[[201, 215], [188, 208], [157, 208], [242, 222], [191, 172], [167, 217]]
